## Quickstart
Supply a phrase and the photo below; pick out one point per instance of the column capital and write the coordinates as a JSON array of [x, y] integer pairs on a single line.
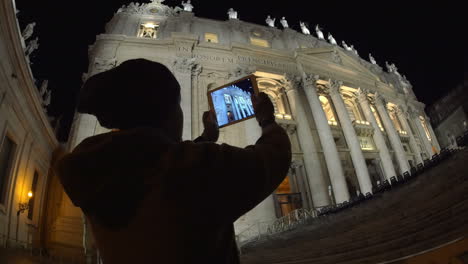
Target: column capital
[[362, 94], [184, 65], [311, 79], [288, 127], [296, 164], [380, 100], [334, 86], [197, 69]]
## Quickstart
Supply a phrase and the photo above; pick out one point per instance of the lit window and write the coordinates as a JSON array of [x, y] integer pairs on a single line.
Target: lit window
[[327, 108], [377, 118], [148, 30], [210, 37], [396, 121], [259, 42], [426, 129]]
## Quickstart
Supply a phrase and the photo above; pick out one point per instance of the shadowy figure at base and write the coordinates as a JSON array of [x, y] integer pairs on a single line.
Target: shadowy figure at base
[[150, 197]]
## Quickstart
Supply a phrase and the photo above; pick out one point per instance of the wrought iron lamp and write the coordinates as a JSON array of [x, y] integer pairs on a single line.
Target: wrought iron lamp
[[24, 206]]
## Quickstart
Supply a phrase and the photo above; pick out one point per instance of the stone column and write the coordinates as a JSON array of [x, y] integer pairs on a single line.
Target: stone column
[[335, 169], [392, 134], [183, 73], [197, 112], [414, 146], [422, 133], [378, 137], [311, 160], [357, 157]]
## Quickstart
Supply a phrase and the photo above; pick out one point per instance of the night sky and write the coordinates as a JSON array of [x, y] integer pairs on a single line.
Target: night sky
[[425, 41]]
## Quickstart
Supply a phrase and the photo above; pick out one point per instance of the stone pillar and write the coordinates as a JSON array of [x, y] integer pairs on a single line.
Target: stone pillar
[[297, 167], [318, 187], [414, 146], [335, 169], [357, 157], [183, 73], [378, 137], [197, 112], [422, 133], [392, 134]]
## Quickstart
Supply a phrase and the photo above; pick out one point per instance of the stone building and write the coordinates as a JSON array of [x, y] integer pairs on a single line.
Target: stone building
[[27, 140], [351, 123], [449, 115]]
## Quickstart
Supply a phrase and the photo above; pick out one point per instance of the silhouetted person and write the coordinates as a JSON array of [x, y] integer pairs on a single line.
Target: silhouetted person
[[151, 198]]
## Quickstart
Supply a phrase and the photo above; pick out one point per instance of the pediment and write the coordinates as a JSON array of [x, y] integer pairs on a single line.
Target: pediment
[[342, 59]]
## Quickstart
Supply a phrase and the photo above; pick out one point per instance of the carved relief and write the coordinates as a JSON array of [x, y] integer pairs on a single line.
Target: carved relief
[[102, 65], [184, 65]]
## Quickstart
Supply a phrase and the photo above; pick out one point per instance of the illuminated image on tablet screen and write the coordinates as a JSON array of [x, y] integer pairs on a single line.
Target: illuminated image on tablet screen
[[233, 103]]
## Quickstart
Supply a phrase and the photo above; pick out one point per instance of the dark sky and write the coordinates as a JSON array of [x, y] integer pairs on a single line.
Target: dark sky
[[424, 39]]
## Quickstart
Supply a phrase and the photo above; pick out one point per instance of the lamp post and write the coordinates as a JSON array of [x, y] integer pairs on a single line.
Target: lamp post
[[21, 208]]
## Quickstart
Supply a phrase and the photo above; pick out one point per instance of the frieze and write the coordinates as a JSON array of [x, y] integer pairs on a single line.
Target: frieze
[[242, 59]]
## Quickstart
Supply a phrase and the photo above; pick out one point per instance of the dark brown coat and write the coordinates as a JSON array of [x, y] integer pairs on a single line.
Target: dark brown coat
[[152, 200]]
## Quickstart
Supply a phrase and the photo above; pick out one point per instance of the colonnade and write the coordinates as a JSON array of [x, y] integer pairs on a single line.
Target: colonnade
[[314, 87]]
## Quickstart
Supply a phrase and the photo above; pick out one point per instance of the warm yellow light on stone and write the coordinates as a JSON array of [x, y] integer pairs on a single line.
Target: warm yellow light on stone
[[30, 194]]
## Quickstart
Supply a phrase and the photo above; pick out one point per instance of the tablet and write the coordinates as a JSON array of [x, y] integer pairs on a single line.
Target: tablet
[[232, 103]]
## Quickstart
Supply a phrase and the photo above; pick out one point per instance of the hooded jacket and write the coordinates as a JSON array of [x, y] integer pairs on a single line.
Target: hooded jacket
[[153, 200]]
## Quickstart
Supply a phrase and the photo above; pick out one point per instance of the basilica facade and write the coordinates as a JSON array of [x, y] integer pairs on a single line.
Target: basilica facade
[[352, 123]]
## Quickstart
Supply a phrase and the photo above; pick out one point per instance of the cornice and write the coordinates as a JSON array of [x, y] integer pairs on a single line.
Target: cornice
[[22, 70]]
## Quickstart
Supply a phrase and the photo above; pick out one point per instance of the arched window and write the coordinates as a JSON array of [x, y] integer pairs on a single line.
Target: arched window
[[396, 121], [377, 117], [426, 129], [327, 108]]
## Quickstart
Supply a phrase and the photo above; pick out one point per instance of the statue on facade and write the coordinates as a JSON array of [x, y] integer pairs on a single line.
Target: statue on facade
[[187, 6], [345, 46], [354, 50], [319, 32], [44, 87], [46, 101], [331, 39], [28, 31], [232, 13], [121, 9], [372, 60], [391, 68], [32, 46], [304, 28], [270, 22], [284, 22]]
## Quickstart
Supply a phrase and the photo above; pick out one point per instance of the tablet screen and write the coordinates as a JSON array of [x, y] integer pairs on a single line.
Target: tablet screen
[[232, 102]]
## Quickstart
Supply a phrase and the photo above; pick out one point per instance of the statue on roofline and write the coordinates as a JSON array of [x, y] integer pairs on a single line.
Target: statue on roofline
[[187, 6], [270, 22], [304, 28], [319, 32], [372, 60], [232, 13], [331, 39], [28, 31], [284, 22], [345, 46]]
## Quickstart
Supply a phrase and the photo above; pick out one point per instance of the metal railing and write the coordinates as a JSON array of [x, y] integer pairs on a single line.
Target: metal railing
[[267, 228]]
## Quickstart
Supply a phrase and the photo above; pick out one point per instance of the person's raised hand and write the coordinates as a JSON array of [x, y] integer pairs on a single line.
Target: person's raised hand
[[264, 109], [211, 131]]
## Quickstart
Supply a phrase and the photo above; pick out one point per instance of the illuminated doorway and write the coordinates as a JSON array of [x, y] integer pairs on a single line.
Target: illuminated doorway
[[286, 200]]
